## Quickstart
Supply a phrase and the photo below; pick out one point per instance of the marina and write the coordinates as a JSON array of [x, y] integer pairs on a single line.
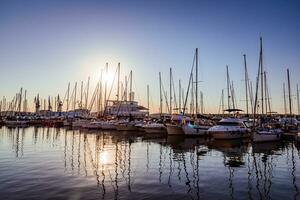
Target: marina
[[142, 100]]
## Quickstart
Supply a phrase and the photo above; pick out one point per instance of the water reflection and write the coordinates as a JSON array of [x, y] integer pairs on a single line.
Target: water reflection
[[115, 165]]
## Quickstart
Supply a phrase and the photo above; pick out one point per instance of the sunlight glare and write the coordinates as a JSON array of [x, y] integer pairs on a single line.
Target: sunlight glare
[[103, 157]]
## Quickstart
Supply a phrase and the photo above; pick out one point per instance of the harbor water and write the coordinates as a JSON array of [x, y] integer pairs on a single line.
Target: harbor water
[[57, 163]]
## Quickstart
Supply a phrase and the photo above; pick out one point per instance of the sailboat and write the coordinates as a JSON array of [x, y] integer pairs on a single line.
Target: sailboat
[[175, 126], [290, 124], [265, 132], [199, 126]]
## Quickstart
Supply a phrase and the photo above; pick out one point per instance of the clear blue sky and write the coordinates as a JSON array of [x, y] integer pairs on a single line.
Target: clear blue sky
[[46, 44]]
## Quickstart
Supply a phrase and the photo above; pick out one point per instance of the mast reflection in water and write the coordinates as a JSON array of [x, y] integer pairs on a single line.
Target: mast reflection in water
[[43, 163]]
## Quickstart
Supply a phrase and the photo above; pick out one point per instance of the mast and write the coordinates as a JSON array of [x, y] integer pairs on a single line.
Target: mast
[[25, 101], [148, 100], [20, 100], [81, 93], [228, 87], [126, 88], [261, 76], [55, 104], [246, 84], [298, 101], [202, 104], [130, 87], [87, 93], [289, 89], [192, 106], [197, 108], [75, 90], [179, 111], [160, 96], [222, 101], [100, 97], [170, 91], [68, 96], [266, 95], [284, 99], [268, 103], [49, 104], [232, 95], [105, 89], [118, 84]]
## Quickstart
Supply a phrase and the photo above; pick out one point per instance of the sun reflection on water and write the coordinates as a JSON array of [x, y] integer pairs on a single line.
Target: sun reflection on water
[[103, 157]]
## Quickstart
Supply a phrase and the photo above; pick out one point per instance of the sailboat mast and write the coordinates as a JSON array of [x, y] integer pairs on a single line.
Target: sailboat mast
[[223, 101], [197, 108], [118, 84], [105, 89], [68, 96], [298, 101], [170, 91], [148, 100], [87, 93], [228, 87], [284, 99], [130, 87], [233, 96], [81, 93], [75, 91], [289, 89], [126, 88], [266, 94], [261, 76], [192, 108], [100, 97], [20, 100], [160, 95], [202, 104], [25, 101], [179, 107], [246, 84]]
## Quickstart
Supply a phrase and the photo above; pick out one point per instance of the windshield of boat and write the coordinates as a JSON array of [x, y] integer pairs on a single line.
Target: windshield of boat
[[230, 124]]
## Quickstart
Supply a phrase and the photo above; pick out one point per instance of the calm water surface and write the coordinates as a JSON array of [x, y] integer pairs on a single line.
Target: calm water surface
[[50, 163]]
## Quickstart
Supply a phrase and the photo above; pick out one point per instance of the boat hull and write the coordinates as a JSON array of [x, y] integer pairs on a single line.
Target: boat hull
[[155, 129], [257, 137], [126, 128], [225, 135], [174, 129], [194, 130]]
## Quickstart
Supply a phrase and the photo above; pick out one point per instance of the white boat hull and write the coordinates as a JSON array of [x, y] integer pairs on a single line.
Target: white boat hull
[[229, 134], [174, 129], [194, 130]]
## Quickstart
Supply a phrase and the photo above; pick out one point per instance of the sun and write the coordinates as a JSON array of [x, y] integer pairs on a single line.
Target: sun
[[108, 77]]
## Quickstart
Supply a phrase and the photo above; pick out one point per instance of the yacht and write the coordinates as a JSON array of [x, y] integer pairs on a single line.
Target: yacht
[[230, 128]]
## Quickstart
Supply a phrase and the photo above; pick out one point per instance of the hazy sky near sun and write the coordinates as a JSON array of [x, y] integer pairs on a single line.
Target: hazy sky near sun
[[46, 44]]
